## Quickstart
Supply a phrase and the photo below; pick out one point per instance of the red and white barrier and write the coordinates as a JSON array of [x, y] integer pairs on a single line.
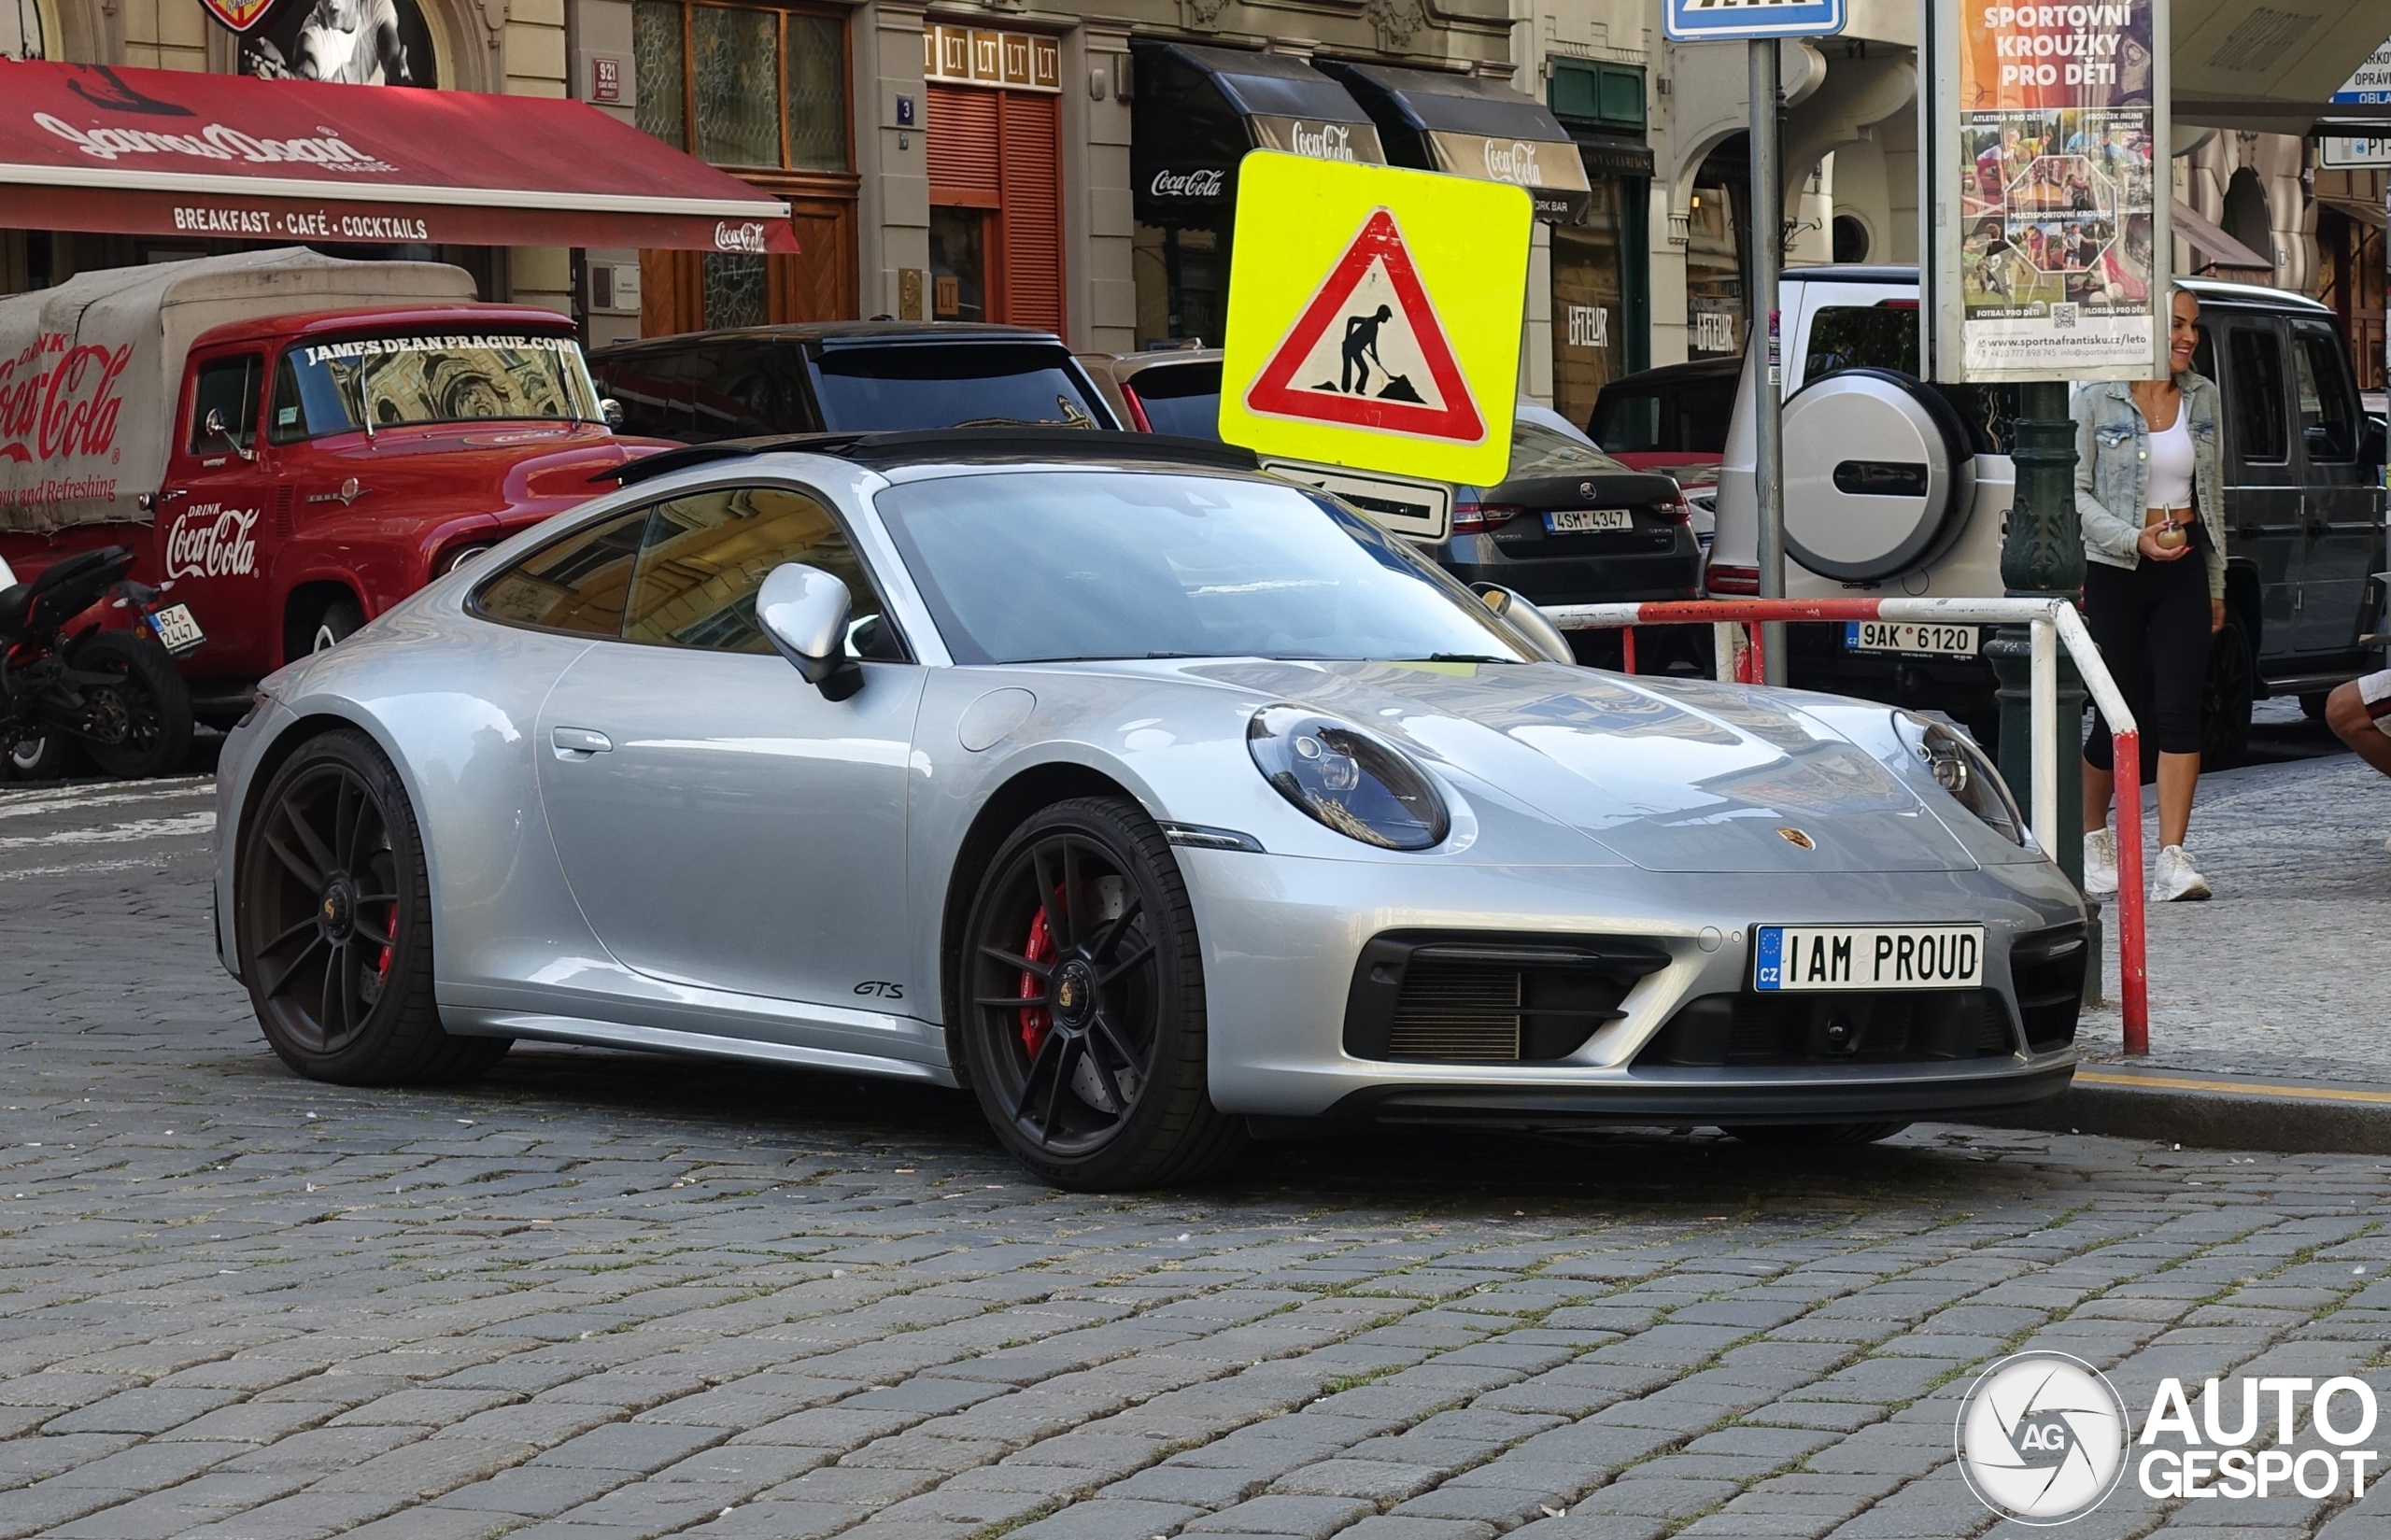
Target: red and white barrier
[[2053, 623]]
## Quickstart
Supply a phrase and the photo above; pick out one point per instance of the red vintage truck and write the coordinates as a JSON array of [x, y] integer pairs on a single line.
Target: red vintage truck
[[292, 442]]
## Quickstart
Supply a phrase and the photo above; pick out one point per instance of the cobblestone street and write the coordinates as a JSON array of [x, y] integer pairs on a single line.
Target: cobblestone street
[[597, 1296]]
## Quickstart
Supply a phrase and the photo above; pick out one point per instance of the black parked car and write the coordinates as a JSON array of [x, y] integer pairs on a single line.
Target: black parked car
[[839, 376], [1569, 525]]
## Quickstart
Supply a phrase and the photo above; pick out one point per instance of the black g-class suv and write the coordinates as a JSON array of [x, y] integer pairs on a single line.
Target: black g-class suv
[[1893, 486], [843, 376]]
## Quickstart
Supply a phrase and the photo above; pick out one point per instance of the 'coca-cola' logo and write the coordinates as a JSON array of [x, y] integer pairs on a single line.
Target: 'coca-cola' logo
[[1514, 162], [218, 142], [1188, 184], [1328, 142], [212, 541], [68, 409], [740, 237]]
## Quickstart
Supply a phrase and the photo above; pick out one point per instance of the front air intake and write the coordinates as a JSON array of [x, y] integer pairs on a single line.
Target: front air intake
[[1464, 998]]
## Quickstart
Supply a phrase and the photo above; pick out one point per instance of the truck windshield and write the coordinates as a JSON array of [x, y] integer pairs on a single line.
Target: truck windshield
[[338, 385]]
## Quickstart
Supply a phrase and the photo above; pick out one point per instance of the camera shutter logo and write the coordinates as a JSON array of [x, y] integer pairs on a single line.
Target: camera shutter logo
[[2042, 1438]]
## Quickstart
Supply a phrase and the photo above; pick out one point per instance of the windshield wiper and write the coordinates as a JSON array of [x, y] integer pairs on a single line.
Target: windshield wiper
[[1457, 657], [1075, 420]]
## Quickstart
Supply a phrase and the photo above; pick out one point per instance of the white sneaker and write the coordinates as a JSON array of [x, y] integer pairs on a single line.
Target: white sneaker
[[2100, 863], [2173, 878]]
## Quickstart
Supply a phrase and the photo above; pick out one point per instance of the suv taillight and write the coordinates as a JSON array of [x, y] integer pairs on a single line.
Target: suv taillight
[[1723, 578], [1470, 519]]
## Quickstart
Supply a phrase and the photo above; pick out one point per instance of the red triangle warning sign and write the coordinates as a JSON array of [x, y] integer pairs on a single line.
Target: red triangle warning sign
[[1368, 351]]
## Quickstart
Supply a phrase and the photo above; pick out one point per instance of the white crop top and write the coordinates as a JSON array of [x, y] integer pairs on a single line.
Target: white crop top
[[2170, 463]]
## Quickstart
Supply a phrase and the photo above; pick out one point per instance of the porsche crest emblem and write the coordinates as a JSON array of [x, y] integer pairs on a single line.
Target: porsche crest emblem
[[239, 15], [1795, 837]]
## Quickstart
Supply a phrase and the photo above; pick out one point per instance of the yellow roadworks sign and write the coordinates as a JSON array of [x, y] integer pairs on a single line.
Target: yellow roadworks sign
[[1373, 316]]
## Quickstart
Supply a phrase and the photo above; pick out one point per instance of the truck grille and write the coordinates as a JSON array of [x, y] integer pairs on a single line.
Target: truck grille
[[2047, 969], [1861, 1027], [1464, 999]]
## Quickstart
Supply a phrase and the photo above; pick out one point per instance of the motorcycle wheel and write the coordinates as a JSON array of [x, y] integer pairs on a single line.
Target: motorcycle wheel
[[140, 723]]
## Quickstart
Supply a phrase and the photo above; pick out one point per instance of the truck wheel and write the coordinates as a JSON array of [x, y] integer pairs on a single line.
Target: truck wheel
[[139, 723], [2225, 697], [333, 923], [36, 757], [339, 621], [1081, 1004]]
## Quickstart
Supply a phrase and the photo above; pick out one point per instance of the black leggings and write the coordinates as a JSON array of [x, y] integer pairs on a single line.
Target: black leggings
[[2152, 625]]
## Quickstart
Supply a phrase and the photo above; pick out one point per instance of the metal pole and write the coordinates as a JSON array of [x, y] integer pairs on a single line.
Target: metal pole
[[2042, 557], [1768, 249]]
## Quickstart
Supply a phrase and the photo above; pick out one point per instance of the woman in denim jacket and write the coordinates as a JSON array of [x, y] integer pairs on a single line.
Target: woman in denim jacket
[[2151, 505]]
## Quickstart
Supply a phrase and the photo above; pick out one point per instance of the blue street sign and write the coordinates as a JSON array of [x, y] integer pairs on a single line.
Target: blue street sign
[[1714, 20]]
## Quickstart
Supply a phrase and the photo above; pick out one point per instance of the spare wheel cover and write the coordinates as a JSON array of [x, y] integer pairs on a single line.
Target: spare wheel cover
[[1877, 475]]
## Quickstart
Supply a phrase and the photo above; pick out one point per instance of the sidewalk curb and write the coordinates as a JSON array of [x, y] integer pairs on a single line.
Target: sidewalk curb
[[2215, 1112]]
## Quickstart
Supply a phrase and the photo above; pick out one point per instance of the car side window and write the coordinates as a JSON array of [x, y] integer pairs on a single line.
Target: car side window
[[651, 387], [703, 557], [2328, 413], [231, 387], [2257, 397], [578, 583], [1627, 422]]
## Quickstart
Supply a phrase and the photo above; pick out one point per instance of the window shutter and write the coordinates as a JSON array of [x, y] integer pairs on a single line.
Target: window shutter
[[1032, 222], [966, 149]]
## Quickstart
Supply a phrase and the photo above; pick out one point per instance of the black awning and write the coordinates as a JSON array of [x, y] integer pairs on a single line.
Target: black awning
[[1613, 154], [1471, 127], [1198, 110]]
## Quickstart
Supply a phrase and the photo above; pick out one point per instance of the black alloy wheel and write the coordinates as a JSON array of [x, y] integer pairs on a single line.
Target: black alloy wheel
[[137, 723], [333, 923], [2226, 694], [1083, 1004]]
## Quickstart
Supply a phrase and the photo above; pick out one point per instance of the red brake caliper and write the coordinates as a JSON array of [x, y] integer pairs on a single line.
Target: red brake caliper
[[1035, 1020]]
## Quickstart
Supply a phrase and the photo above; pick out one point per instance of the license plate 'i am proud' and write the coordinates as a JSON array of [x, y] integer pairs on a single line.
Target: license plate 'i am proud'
[[1801, 957]]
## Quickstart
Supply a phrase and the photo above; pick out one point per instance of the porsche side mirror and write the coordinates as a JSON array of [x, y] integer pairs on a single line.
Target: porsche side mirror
[[1532, 624], [803, 612]]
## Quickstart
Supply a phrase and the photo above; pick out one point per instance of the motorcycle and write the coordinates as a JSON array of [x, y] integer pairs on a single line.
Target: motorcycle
[[71, 687]]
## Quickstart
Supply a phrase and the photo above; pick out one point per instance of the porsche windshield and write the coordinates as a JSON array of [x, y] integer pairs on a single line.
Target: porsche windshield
[[1047, 566], [337, 385]]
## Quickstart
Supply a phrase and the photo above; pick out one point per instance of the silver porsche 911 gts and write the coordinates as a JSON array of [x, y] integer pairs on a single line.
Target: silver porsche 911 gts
[[1158, 800]]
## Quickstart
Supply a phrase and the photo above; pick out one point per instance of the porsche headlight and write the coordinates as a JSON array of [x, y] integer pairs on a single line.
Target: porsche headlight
[[1961, 769], [1347, 780]]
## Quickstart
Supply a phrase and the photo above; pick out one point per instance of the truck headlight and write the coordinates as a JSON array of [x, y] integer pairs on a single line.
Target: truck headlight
[[1964, 771], [1362, 788]]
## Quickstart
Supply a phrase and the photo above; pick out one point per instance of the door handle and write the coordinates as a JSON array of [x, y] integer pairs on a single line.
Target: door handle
[[579, 742]]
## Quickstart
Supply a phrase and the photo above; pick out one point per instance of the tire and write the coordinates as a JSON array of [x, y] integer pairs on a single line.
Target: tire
[[2226, 694], [140, 723], [1815, 1134], [37, 755], [339, 621], [1097, 1083], [333, 925]]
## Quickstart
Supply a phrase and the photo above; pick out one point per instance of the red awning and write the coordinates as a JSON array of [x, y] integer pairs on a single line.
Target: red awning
[[169, 152]]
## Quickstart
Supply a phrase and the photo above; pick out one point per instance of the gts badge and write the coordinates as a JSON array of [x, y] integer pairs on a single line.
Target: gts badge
[[880, 989]]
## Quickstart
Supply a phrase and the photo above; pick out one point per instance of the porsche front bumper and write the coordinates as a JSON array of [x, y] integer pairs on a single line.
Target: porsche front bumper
[[1283, 935]]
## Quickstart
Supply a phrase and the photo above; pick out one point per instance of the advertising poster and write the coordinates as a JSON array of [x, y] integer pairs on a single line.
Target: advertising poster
[[2052, 225]]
